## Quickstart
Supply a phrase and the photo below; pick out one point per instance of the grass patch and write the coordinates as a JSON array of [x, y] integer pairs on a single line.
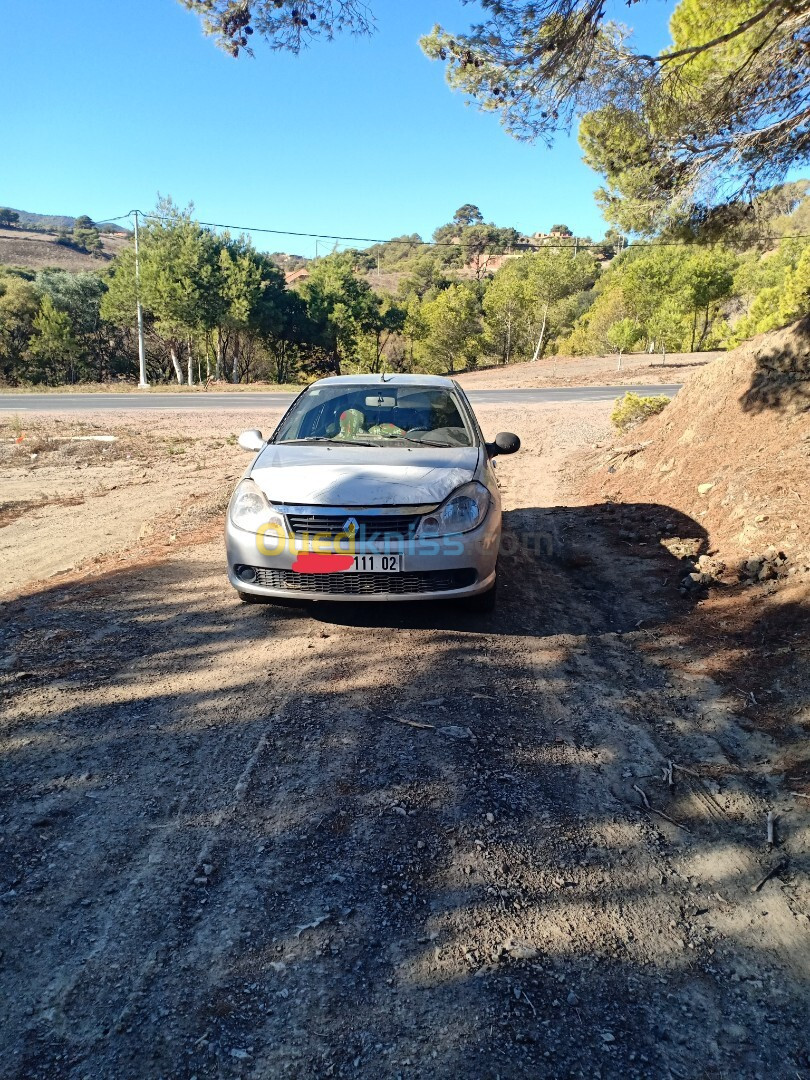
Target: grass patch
[[632, 409]]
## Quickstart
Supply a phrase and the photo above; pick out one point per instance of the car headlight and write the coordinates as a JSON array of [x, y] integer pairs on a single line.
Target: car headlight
[[250, 510], [464, 510]]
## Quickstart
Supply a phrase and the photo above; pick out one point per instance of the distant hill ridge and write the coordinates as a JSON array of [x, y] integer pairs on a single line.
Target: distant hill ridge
[[52, 222]]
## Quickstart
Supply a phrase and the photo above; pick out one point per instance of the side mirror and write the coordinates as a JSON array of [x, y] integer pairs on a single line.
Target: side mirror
[[251, 440], [505, 443]]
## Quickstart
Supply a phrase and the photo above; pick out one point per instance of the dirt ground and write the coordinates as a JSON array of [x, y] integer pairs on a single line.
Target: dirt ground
[[39, 250], [389, 841], [589, 371]]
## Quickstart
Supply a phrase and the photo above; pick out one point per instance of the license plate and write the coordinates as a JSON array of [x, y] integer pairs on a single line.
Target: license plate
[[376, 564]]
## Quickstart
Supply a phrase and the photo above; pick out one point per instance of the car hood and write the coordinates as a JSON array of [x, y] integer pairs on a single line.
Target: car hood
[[331, 475]]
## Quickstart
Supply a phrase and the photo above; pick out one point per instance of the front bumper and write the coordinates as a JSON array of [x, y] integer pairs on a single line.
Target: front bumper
[[463, 565]]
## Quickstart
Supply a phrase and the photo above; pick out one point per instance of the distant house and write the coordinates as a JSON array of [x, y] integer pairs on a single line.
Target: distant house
[[295, 276]]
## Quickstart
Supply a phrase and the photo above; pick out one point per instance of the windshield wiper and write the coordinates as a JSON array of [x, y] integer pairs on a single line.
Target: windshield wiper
[[427, 442], [325, 439]]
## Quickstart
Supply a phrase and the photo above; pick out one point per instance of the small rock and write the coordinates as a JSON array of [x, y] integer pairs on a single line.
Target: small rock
[[455, 731], [490, 818], [519, 949], [240, 1055], [572, 999], [704, 489], [608, 1037]]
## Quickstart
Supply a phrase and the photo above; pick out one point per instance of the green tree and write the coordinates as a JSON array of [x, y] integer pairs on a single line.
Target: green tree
[[286, 24], [180, 282], [468, 214], [528, 302], [506, 306], [251, 300], [8, 216], [452, 330], [704, 279], [727, 97], [53, 345], [99, 345], [341, 305], [665, 327], [86, 236], [552, 276], [383, 319], [622, 335], [415, 328], [19, 305]]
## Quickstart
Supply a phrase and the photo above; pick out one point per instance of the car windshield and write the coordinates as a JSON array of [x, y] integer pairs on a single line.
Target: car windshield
[[377, 414]]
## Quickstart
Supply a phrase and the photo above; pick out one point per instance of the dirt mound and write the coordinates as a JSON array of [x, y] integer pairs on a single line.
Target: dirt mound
[[732, 451]]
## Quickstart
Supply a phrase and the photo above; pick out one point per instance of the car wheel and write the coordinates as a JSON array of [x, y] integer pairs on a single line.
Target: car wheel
[[483, 602]]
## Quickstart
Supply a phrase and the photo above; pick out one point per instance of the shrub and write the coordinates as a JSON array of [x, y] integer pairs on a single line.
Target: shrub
[[632, 409]]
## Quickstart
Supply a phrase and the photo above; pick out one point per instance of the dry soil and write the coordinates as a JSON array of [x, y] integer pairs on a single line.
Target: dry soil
[[388, 841]]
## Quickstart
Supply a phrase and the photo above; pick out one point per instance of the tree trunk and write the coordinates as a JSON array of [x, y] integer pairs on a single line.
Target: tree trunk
[[663, 352], [538, 350], [619, 365], [235, 374], [694, 331], [190, 363], [178, 371], [220, 355]]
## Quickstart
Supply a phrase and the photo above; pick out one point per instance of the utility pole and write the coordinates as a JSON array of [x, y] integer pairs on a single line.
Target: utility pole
[[142, 384]]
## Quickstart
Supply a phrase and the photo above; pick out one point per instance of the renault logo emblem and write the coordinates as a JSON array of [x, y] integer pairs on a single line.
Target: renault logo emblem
[[350, 526]]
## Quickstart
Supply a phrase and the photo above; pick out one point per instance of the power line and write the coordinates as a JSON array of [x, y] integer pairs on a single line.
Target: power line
[[565, 244]]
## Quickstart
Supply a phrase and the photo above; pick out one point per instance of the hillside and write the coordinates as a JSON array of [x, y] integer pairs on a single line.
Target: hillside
[[35, 250], [48, 222], [732, 452]]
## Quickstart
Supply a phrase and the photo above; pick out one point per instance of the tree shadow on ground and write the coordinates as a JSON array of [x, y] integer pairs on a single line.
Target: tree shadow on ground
[[224, 859], [562, 570]]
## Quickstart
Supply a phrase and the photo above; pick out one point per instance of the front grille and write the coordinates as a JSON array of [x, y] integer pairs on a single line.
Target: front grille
[[425, 581], [368, 525]]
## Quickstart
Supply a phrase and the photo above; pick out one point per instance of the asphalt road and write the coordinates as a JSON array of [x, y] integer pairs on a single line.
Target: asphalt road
[[250, 402]]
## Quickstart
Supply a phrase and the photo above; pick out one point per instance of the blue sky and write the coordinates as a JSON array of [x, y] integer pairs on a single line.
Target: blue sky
[[115, 101]]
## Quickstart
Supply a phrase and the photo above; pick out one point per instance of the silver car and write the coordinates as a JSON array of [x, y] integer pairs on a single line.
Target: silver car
[[370, 488]]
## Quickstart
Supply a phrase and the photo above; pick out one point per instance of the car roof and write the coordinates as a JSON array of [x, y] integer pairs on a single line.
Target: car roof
[[439, 381]]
